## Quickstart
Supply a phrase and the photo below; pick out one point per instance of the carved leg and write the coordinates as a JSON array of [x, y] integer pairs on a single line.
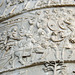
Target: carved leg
[[21, 61], [33, 57], [12, 60]]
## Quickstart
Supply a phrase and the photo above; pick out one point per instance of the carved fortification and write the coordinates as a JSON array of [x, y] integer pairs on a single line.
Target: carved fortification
[[37, 37]]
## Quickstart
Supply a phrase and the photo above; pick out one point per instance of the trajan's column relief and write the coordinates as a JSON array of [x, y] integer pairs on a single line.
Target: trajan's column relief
[[37, 37]]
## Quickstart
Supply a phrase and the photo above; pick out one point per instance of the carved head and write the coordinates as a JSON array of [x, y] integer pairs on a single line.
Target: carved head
[[14, 31], [32, 21]]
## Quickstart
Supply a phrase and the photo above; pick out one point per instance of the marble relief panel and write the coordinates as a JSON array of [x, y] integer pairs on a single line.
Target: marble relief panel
[[37, 36]]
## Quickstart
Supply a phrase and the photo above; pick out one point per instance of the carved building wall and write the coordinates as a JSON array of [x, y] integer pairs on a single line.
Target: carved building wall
[[37, 37]]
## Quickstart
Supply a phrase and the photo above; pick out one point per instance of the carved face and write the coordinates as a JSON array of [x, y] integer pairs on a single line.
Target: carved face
[[32, 21], [22, 31], [14, 32]]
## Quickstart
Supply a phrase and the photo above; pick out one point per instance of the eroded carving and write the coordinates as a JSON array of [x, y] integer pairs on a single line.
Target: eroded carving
[[41, 35], [53, 68]]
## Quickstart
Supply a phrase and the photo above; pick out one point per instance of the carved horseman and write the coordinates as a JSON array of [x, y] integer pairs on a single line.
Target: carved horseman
[[24, 47], [21, 46]]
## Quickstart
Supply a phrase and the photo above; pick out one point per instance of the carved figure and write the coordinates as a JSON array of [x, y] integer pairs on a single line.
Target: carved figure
[[3, 42], [12, 39]]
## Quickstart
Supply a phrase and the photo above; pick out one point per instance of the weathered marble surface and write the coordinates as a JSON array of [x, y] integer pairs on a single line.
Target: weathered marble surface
[[37, 37]]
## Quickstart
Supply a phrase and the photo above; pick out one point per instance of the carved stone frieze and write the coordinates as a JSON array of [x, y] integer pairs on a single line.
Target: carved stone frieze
[[12, 6], [37, 33]]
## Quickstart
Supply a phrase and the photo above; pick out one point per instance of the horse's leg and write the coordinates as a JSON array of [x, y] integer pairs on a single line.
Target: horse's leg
[[21, 58], [12, 60]]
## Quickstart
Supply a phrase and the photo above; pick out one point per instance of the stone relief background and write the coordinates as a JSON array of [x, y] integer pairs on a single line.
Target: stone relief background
[[37, 37]]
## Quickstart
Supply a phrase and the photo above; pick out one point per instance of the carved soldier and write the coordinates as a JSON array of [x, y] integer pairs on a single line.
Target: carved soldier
[[20, 49], [41, 47], [30, 44], [12, 39], [32, 23], [25, 48], [22, 32], [3, 42], [13, 35]]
